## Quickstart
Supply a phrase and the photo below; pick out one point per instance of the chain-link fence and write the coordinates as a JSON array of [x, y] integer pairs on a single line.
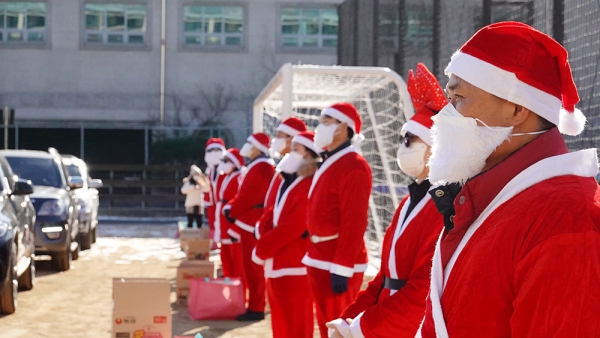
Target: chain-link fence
[[430, 31]]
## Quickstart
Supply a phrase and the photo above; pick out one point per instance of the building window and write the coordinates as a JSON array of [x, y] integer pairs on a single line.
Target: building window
[[22, 22], [309, 28], [212, 26], [115, 24], [419, 28]]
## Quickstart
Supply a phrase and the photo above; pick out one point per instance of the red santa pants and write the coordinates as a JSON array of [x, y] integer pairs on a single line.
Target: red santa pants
[[291, 308], [329, 306], [231, 259], [255, 274]]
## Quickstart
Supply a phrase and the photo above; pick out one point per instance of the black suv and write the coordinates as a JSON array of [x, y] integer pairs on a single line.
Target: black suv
[[55, 202], [17, 250]]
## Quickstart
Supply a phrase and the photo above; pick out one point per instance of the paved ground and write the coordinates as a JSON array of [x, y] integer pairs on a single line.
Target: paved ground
[[77, 303]]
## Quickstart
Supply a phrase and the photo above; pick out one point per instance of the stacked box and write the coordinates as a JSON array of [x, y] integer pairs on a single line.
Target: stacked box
[[141, 308], [188, 270]]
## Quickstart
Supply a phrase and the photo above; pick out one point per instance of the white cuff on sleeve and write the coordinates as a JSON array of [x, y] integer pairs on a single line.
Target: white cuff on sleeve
[[355, 327], [341, 270], [234, 234], [340, 325], [257, 259]]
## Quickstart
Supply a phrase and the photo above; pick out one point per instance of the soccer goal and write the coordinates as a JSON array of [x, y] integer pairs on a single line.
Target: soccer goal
[[384, 104]]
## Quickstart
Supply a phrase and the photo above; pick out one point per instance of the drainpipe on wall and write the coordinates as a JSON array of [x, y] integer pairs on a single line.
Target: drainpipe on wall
[[163, 28]]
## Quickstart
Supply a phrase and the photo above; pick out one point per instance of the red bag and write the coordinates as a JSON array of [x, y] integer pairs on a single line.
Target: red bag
[[221, 298]]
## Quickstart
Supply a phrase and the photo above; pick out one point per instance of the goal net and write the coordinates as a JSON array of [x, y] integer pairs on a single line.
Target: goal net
[[384, 104]]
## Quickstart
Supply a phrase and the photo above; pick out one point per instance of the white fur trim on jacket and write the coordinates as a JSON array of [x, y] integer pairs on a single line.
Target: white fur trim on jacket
[[334, 268]]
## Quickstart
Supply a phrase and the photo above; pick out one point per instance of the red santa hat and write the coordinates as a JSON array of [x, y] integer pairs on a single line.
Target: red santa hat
[[233, 154], [292, 126], [525, 66], [260, 141], [346, 112], [427, 98], [306, 138], [215, 142]]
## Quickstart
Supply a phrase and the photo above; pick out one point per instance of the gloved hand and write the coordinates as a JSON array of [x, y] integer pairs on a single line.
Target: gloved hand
[[339, 284], [233, 239], [226, 214]]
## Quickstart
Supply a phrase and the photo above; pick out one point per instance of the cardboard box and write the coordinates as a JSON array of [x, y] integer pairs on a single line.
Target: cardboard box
[[197, 248], [187, 234], [141, 308], [192, 269]]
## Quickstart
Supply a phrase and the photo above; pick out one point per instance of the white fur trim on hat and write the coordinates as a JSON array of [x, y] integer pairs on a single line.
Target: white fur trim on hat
[[419, 130], [305, 142], [338, 115], [215, 146], [234, 160], [288, 130], [257, 144], [506, 85]]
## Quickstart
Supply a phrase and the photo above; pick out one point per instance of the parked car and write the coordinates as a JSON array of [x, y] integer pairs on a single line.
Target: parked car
[[55, 202], [17, 248], [88, 200]]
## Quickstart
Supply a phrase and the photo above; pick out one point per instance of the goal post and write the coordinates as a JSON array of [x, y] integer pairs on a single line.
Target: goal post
[[383, 101]]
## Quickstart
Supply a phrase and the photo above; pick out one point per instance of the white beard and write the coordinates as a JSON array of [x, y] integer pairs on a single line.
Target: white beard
[[461, 147]]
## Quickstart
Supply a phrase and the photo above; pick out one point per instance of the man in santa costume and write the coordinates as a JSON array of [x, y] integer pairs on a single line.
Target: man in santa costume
[[337, 214], [282, 247], [520, 254], [214, 151], [280, 146], [246, 209], [230, 169], [394, 302]]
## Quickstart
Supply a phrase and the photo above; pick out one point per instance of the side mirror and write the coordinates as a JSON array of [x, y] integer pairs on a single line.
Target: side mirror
[[95, 184], [75, 182], [23, 187]]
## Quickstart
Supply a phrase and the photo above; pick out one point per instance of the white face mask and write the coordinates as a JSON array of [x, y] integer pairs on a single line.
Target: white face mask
[[412, 159], [460, 146], [246, 150], [290, 163], [212, 158], [277, 146], [225, 168], [324, 135]]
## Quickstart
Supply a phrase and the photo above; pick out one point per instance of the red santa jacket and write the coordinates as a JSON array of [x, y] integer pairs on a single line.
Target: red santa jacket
[[228, 188], [263, 225], [523, 258], [247, 206], [338, 214], [209, 196], [281, 249], [406, 255]]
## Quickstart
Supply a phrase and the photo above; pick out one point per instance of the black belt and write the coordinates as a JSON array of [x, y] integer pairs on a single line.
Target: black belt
[[393, 284]]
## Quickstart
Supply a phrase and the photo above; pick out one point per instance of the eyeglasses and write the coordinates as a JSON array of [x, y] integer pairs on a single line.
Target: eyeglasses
[[407, 140]]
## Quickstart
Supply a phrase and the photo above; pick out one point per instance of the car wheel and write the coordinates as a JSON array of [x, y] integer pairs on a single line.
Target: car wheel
[[27, 279], [85, 240], [75, 253], [95, 234], [8, 299], [61, 261]]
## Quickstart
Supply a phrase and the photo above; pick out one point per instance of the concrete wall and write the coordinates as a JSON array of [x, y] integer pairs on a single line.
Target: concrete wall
[[65, 80]]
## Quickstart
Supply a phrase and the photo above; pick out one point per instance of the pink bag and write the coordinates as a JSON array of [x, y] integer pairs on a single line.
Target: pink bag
[[221, 298]]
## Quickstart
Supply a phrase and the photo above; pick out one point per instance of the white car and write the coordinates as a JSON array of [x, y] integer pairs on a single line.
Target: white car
[[88, 200]]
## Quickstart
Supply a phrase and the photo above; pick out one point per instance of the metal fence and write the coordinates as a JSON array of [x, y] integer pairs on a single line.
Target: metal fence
[[120, 144], [400, 33]]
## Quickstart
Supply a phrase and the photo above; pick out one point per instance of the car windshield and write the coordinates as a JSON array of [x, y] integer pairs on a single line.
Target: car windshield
[[73, 170], [41, 171]]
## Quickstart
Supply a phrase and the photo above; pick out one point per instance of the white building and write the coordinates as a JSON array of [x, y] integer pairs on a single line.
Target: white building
[[99, 61]]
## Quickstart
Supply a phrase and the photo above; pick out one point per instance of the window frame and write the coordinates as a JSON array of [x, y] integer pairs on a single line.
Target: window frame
[[46, 44], [84, 45], [243, 48], [299, 49]]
